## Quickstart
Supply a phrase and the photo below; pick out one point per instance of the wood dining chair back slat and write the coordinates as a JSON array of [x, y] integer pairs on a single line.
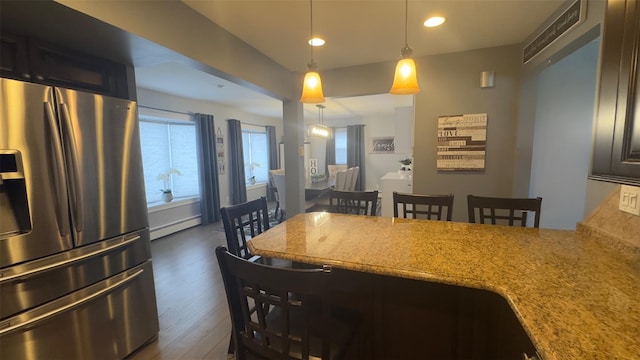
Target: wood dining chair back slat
[[242, 222], [504, 209], [355, 173], [354, 202], [431, 207], [341, 180], [347, 182], [274, 189], [282, 313], [280, 183], [333, 169]]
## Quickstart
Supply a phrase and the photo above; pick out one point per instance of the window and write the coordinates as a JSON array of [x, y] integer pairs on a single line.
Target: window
[[168, 141], [255, 147], [341, 145]]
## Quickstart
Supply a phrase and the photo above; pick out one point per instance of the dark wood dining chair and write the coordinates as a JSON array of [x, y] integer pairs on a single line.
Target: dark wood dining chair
[[242, 222], [354, 202], [276, 194], [279, 313], [509, 209], [431, 207]]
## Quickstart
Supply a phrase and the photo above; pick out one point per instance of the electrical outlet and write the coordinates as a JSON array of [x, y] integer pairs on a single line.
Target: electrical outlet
[[630, 199]]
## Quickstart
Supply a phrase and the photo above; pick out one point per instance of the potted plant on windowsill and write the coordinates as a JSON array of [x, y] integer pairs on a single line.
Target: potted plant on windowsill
[[252, 166], [167, 193]]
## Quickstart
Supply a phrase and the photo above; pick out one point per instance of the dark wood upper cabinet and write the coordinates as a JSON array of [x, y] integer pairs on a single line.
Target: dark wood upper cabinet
[[33, 60], [13, 57], [617, 134], [53, 65]]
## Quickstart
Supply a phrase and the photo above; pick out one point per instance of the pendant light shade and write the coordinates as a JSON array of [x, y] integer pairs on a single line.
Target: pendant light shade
[[312, 87], [405, 80], [312, 84]]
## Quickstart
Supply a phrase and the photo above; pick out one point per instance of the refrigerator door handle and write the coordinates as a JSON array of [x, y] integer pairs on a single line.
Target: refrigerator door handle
[[68, 261], [75, 183], [12, 327], [60, 195]]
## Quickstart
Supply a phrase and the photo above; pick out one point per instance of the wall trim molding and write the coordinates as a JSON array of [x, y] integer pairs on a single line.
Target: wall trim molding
[[173, 204], [174, 226]]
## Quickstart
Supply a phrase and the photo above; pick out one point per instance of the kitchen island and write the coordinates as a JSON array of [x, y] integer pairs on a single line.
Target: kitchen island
[[574, 294]]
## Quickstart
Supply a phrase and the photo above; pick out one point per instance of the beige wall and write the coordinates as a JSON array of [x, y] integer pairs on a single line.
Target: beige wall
[[451, 85], [617, 226]]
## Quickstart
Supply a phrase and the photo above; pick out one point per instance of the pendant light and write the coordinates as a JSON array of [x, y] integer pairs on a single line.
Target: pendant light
[[312, 85], [405, 80], [319, 130]]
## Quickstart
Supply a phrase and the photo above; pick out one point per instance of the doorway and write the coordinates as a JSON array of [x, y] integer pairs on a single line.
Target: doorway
[[565, 97]]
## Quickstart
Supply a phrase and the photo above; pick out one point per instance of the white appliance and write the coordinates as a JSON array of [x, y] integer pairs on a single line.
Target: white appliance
[[400, 181]]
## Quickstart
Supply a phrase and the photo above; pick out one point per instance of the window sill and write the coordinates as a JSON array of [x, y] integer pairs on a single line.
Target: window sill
[[257, 186], [160, 205]]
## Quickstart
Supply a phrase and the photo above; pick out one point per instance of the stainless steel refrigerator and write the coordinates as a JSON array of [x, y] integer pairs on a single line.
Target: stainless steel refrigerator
[[76, 280]]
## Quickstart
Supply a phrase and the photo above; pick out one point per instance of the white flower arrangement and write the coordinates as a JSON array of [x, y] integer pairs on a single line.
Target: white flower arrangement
[[253, 165], [406, 164], [166, 177]]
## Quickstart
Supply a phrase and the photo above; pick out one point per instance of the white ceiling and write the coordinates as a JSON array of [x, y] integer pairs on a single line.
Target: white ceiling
[[357, 32], [368, 31]]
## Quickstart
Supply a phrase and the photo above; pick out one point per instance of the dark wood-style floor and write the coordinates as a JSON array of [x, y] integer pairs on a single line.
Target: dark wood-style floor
[[192, 308]]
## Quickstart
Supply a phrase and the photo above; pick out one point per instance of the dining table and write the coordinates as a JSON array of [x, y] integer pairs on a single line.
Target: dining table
[[314, 189], [573, 294]]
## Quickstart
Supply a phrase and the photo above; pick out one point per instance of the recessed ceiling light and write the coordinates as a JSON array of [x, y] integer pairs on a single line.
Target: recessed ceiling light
[[316, 41], [434, 21]]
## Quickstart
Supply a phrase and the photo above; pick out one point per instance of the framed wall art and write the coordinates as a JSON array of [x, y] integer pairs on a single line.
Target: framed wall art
[[382, 145], [220, 151], [462, 142]]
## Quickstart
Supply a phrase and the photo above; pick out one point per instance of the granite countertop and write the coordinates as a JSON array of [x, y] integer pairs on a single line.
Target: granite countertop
[[576, 295]]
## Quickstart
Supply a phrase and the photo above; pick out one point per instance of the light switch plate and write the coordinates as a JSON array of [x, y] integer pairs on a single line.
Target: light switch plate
[[630, 199]]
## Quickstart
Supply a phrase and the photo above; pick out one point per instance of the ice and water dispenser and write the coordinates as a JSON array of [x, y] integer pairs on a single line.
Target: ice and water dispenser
[[14, 206]]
